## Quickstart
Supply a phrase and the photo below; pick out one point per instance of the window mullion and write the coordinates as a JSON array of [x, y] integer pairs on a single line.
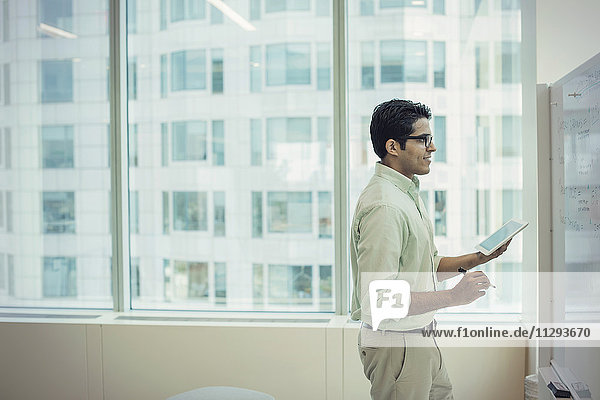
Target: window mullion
[[340, 159], [119, 155]]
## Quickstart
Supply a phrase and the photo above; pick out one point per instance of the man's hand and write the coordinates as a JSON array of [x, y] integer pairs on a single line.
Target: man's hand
[[482, 258], [471, 287]]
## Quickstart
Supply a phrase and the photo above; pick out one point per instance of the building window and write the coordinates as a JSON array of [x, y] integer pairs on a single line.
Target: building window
[[134, 212], [135, 277], [219, 213], [254, 10], [286, 5], [59, 277], [514, 5], [57, 81], [367, 70], [326, 285], [188, 70], [187, 9], [482, 132], [403, 3], [323, 67], [439, 137], [5, 149], [59, 212], [189, 211], [57, 14], [163, 15], [508, 62], [439, 64], [439, 7], [289, 212], [322, 8], [440, 213], [325, 215], [256, 143], [165, 212], [57, 146], [217, 70], [367, 7], [512, 204], [216, 16], [186, 280], [218, 139], [257, 215], [132, 77], [5, 81], [131, 16], [403, 61], [255, 68], [133, 145], [164, 139], [482, 208], [163, 76], [288, 135], [510, 128], [258, 284], [482, 65], [288, 64], [5, 20], [220, 283], [325, 137], [290, 284], [189, 140]]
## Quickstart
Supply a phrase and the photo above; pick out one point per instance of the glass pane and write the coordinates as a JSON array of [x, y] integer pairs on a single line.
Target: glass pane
[[235, 155], [55, 239], [478, 141]]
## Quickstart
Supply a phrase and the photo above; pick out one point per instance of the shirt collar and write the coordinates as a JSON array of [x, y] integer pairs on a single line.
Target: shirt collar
[[395, 177]]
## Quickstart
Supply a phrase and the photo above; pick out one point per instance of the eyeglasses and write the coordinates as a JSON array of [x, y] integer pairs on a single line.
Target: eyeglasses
[[427, 139]]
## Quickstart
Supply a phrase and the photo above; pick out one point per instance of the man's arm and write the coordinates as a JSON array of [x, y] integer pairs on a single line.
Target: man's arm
[[448, 266], [470, 288]]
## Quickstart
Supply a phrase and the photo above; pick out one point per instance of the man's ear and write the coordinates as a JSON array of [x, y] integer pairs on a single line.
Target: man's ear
[[392, 147]]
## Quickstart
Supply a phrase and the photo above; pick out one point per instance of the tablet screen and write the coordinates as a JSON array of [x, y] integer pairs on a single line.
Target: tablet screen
[[501, 234]]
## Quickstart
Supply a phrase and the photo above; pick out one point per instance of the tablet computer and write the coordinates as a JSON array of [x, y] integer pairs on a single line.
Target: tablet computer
[[501, 236]]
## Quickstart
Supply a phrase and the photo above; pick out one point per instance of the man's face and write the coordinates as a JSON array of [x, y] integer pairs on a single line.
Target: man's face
[[416, 158]]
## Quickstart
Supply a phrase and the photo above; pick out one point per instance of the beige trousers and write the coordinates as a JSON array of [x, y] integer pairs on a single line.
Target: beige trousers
[[403, 366]]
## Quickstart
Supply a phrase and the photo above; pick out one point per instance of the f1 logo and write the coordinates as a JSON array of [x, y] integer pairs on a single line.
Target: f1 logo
[[389, 299]]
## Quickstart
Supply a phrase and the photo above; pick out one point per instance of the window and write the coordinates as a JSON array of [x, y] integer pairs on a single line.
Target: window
[[217, 70], [482, 65], [290, 212], [132, 77], [166, 222], [135, 277], [323, 69], [440, 213], [257, 215], [325, 215], [288, 138], [367, 7], [189, 211], [439, 7], [256, 142], [290, 284], [482, 208], [255, 68], [403, 61], [220, 283], [5, 149], [403, 3], [510, 130], [59, 212], [134, 212], [219, 213], [188, 70], [288, 64], [439, 64], [133, 145], [185, 280], [60, 277], [57, 81], [57, 146], [131, 16], [323, 7], [258, 292], [187, 10], [164, 141], [482, 132], [254, 10], [216, 16], [163, 76], [57, 14], [286, 5], [367, 72], [325, 136], [508, 62], [325, 284], [511, 204], [218, 136], [510, 4], [5, 21], [189, 140], [163, 15], [5, 81], [439, 138]]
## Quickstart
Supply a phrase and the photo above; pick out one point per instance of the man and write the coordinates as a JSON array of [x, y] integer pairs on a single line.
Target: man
[[392, 236]]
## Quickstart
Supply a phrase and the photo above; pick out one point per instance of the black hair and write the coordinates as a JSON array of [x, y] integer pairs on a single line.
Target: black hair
[[394, 119]]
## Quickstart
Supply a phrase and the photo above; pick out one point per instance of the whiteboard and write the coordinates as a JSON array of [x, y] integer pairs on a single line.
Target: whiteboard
[[575, 153]]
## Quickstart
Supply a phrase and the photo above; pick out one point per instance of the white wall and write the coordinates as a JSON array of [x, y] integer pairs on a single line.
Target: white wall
[[72, 361], [567, 36]]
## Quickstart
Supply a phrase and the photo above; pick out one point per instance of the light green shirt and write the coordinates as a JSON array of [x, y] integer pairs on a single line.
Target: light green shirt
[[392, 238]]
